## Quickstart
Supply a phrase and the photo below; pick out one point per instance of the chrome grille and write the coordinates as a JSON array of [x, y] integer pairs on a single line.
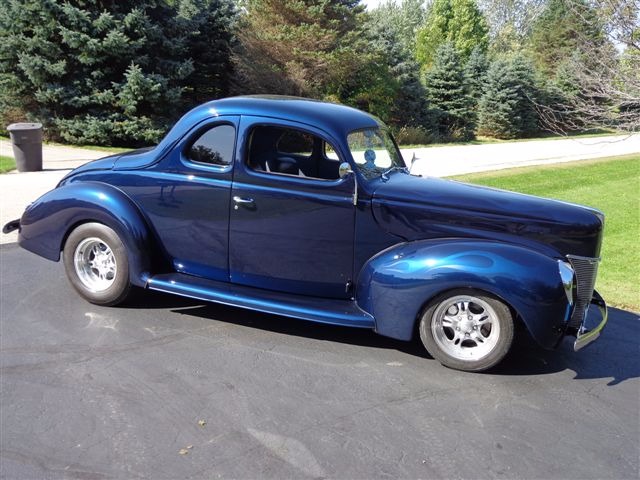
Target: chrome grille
[[586, 270]]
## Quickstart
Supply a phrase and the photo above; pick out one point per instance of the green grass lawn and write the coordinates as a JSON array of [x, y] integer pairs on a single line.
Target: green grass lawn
[[611, 185], [7, 164]]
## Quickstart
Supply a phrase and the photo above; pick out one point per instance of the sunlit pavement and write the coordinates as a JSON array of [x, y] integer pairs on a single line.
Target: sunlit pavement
[[456, 160]]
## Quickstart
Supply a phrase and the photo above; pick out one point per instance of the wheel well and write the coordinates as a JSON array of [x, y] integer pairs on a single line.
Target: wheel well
[[155, 254], [65, 237], [423, 307]]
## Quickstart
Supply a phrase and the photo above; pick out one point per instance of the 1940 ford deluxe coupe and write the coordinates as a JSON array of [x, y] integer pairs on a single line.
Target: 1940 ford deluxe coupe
[[307, 209]]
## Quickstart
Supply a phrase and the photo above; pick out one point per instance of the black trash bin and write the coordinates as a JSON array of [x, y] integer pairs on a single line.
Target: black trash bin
[[27, 145]]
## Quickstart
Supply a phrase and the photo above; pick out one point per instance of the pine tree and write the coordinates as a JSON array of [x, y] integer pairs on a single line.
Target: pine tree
[[496, 112], [523, 73], [475, 73], [297, 48], [459, 22], [448, 95], [111, 72], [313, 48], [506, 109], [410, 107]]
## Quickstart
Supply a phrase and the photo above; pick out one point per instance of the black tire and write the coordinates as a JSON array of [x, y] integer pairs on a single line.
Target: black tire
[[93, 284], [459, 337]]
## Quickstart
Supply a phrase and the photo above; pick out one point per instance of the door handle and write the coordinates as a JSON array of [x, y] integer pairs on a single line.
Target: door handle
[[245, 202]]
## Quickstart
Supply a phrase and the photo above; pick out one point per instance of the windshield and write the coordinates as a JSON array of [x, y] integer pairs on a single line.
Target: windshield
[[374, 152]]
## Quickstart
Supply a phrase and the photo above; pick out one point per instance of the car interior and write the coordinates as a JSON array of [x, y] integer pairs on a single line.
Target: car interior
[[288, 151]]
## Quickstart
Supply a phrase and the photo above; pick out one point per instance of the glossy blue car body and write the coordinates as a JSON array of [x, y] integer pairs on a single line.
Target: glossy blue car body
[[310, 248]]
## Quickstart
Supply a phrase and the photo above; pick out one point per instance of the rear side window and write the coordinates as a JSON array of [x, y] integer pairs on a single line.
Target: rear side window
[[214, 147]]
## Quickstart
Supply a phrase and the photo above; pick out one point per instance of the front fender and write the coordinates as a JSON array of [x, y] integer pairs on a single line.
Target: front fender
[[395, 285], [46, 223]]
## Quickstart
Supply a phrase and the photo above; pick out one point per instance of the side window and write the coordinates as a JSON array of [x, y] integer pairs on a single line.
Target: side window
[[214, 147], [295, 142], [330, 153], [289, 151]]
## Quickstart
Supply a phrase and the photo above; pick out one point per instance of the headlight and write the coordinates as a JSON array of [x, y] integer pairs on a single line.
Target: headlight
[[566, 274]]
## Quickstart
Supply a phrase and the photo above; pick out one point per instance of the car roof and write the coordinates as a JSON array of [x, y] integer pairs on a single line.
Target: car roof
[[333, 118]]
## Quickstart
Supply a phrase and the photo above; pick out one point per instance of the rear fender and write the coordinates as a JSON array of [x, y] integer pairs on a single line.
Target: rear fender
[[397, 284], [47, 222]]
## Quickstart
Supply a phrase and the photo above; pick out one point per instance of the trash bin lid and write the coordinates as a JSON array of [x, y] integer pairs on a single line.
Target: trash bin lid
[[24, 126]]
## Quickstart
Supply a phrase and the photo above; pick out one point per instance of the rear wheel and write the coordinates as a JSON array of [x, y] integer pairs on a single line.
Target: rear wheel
[[95, 260], [467, 330]]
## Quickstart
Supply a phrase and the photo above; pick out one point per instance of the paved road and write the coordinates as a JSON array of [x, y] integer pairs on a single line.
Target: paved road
[[90, 392], [20, 189], [456, 160], [58, 156]]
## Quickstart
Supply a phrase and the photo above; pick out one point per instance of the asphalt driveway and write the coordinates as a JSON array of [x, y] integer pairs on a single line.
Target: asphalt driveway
[[91, 392]]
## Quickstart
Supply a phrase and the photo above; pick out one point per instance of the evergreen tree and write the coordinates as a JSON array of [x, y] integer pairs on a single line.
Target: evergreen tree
[[496, 112], [409, 107], [475, 72], [459, 22], [111, 72], [313, 48], [298, 47], [506, 109], [448, 95], [524, 76]]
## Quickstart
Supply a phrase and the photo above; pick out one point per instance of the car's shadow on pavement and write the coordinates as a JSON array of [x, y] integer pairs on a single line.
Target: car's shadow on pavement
[[614, 355]]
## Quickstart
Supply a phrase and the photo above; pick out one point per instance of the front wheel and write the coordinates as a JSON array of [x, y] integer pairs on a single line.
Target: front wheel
[[95, 260], [467, 330]]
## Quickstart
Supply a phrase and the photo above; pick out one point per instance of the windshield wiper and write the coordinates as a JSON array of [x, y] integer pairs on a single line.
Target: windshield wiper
[[385, 175]]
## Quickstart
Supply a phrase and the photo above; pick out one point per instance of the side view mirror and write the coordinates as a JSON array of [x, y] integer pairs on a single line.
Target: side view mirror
[[344, 169]]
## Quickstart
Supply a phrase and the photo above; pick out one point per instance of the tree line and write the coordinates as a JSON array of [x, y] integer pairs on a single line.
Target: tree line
[[120, 72]]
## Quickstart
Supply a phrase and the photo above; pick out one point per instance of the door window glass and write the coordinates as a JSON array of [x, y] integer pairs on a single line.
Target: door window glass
[[214, 147], [330, 153], [295, 142], [289, 151]]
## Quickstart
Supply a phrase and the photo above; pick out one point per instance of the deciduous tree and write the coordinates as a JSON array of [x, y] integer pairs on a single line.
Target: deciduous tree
[[459, 22]]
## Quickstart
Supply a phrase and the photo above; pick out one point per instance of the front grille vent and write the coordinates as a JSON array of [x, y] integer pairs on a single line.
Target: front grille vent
[[586, 270]]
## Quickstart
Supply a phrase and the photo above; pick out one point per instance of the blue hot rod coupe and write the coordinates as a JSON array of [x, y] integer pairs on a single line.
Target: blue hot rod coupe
[[307, 209]]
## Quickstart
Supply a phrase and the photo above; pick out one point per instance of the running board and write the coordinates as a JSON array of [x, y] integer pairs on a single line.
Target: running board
[[315, 309]]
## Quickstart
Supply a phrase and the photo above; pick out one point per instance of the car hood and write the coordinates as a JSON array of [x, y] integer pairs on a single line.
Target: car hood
[[424, 208]]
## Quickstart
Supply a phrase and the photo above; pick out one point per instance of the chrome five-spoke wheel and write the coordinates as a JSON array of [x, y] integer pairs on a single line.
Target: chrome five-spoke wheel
[[467, 330], [96, 263]]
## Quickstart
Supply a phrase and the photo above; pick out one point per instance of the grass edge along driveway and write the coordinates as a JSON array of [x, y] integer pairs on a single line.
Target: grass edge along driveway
[[7, 164], [611, 185]]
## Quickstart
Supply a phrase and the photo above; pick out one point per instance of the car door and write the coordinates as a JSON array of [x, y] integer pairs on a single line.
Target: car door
[[186, 198], [289, 230]]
